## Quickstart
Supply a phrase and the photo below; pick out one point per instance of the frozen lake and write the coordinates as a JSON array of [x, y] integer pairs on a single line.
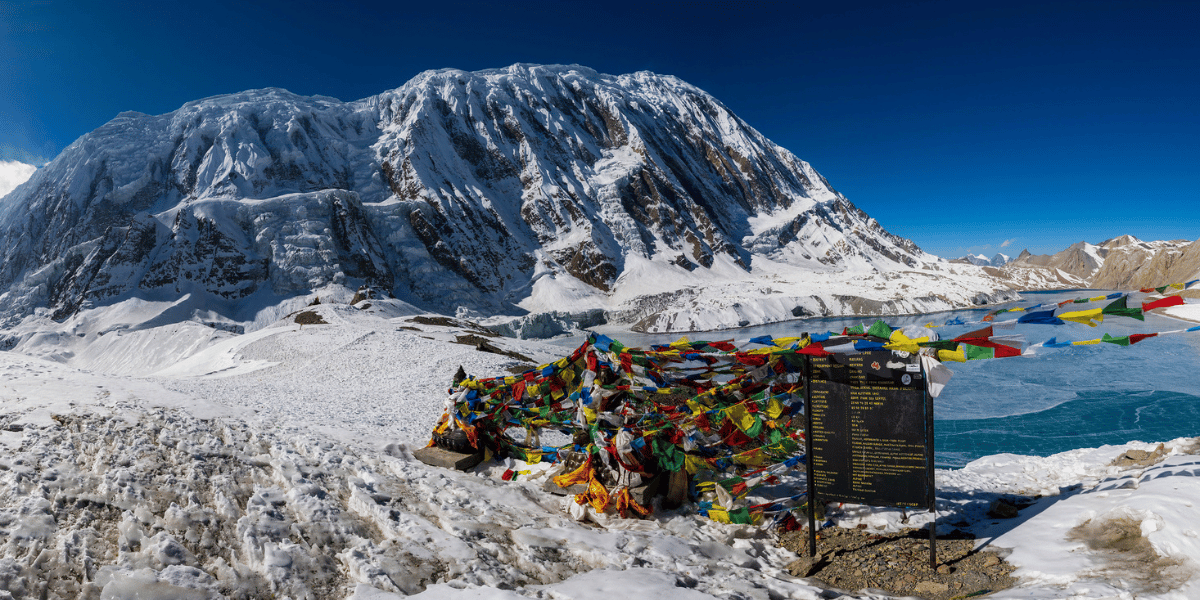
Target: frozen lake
[[1049, 400]]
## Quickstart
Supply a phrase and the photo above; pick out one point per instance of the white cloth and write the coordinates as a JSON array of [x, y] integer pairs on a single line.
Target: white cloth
[[936, 375]]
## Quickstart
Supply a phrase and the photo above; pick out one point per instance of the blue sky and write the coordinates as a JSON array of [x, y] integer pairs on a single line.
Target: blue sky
[[960, 125]]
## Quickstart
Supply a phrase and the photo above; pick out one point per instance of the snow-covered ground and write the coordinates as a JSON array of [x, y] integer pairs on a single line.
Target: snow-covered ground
[[279, 464]]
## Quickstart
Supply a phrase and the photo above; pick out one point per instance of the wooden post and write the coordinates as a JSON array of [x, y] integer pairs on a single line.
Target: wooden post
[[677, 489], [808, 460]]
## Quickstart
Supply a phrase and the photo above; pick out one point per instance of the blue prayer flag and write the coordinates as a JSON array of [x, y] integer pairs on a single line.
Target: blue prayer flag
[[1041, 318]]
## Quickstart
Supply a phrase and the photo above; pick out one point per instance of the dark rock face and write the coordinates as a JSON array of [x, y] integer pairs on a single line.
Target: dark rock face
[[456, 189]]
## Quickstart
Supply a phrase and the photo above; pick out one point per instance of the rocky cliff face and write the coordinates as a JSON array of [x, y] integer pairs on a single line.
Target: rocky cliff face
[[1120, 263], [1080, 260], [1131, 263], [499, 191]]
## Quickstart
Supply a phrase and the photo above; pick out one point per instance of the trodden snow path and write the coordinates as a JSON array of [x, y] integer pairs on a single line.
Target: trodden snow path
[[157, 503]]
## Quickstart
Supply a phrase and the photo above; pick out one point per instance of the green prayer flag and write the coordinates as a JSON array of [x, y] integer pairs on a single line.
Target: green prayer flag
[[1120, 308], [880, 329], [856, 330], [978, 352], [668, 455], [1121, 341], [950, 345], [756, 428], [774, 436], [741, 516]]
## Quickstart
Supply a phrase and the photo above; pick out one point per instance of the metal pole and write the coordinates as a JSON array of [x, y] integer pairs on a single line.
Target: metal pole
[[930, 489], [808, 458]]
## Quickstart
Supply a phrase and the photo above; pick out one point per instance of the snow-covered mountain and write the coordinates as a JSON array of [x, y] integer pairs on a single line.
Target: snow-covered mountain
[[524, 189], [999, 260]]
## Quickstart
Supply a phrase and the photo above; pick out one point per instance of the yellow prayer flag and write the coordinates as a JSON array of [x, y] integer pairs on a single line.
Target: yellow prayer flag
[[903, 343], [719, 515], [1086, 342], [1091, 318], [774, 408], [695, 464], [753, 458], [740, 417], [952, 355]]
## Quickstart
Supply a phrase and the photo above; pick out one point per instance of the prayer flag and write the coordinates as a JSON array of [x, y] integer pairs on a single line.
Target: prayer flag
[[1120, 308], [1164, 303], [1040, 318]]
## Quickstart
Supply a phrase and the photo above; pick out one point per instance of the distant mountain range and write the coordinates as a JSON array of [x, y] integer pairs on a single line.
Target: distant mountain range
[[524, 190], [999, 260], [1120, 263]]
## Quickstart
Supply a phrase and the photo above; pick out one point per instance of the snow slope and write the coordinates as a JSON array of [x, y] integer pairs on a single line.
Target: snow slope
[[278, 463]]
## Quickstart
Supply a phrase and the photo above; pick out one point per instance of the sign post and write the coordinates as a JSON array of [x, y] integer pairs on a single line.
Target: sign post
[[870, 433]]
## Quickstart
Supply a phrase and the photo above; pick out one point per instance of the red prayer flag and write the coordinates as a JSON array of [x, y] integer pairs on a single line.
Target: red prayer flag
[[1165, 302], [1137, 337], [814, 349], [980, 334]]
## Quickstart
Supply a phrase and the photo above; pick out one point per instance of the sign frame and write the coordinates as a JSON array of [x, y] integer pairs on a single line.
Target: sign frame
[[927, 474]]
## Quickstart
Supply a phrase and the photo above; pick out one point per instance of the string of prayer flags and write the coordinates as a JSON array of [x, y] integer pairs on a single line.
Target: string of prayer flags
[[729, 417], [1119, 307]]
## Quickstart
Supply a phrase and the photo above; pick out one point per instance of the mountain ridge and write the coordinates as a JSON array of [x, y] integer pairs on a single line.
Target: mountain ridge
[[525, 189], [1122, 262]]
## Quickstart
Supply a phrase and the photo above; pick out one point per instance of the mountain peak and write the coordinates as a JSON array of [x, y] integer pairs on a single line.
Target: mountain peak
[[526, 188]]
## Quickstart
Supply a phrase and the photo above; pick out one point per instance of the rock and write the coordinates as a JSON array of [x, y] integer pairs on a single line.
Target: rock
[[806, 566], [1141, 458], [578, 488], [991, 561], [945, 569], [440, 457], [1002, 509], [931, 588]]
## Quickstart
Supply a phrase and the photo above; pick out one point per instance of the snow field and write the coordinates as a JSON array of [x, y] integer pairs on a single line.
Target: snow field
[[278, 463]]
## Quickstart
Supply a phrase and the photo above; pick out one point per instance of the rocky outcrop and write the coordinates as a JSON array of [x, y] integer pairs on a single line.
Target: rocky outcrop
[[1120, 263], [1080, 260], [1133, 264]]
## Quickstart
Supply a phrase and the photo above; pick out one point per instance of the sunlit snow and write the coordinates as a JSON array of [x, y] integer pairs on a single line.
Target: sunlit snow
[[279, 462]]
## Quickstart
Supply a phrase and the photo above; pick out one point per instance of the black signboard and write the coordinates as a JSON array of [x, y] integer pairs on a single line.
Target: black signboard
[[870, 434], [869, 429]]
